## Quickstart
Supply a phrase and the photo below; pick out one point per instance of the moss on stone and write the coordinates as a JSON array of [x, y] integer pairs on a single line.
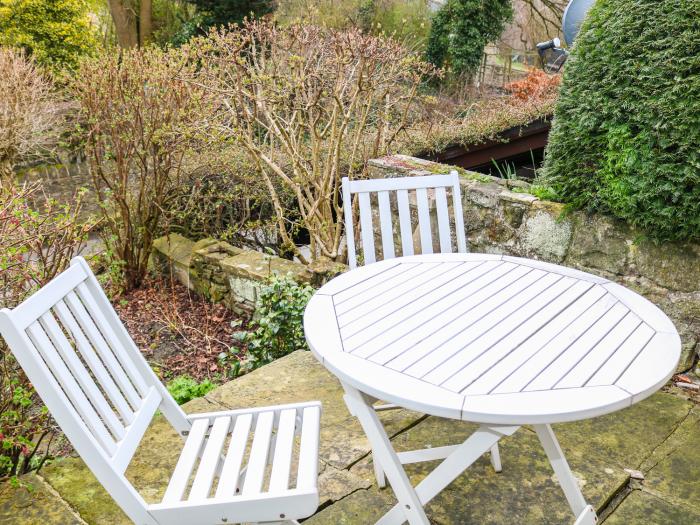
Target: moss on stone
[[643, 508], [525, 491], [34, 502]]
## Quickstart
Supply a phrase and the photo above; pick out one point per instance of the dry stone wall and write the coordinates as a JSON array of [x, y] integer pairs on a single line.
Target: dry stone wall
[[500, 217], [223, 273]]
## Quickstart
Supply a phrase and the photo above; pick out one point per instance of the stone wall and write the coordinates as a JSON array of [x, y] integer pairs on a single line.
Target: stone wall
[[500, 220], [500, 217], [224, 273]]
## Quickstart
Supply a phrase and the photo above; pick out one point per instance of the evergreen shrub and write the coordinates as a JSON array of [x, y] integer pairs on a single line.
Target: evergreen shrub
[[626, 133]]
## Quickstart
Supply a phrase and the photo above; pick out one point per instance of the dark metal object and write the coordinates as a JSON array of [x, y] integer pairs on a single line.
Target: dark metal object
[[551, 53]]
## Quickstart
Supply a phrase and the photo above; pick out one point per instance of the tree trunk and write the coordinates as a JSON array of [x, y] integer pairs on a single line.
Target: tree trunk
[[145, 21], [125, 22]]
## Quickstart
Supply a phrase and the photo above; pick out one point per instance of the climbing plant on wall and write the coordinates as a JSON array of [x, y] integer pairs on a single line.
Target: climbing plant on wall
[[462, 28]]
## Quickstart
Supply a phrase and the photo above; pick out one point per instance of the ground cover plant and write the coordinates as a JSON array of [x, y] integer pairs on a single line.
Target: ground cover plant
[[627, 125]]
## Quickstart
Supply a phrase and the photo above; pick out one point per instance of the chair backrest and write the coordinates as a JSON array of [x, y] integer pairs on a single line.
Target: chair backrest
[[91, 376], [426, 188]]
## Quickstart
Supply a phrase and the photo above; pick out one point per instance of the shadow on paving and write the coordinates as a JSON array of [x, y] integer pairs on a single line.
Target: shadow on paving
[[660, 437]]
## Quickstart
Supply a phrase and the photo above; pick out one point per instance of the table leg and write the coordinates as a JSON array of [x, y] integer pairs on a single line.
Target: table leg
[[409, 507], [584, 513], [457, 462], [496, 458]]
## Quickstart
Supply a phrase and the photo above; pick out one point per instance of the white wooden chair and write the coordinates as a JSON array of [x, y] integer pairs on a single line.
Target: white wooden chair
[[401, 186], [430, 185], [239, 466]]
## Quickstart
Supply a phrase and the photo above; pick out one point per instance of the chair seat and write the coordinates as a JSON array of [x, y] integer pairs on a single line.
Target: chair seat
[[246, 465]]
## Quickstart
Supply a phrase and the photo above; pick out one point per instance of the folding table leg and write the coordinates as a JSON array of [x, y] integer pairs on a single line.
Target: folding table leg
[[457, 462], [584, 513], [378, 472], [496, 458], [410, 508]]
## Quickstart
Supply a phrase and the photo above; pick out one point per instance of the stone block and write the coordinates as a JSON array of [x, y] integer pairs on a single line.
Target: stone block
[[323, 270], [172, 254], [485, 195], [545, 234], [513, 214], [247, 272], [671, 265], [259, 267], [600, 242]]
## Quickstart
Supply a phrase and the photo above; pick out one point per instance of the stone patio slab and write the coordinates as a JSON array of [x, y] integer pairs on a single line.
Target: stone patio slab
[[300, 377], [642, 508], [660, 436], [673, 472], [34, 502], [627, 437], [525, 492], [149, 471], [297, 377]]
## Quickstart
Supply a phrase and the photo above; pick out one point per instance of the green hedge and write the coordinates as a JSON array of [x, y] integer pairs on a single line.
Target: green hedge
[[626, 133]]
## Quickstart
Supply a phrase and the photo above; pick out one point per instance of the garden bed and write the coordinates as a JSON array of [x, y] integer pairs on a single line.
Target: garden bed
[[178, 331]]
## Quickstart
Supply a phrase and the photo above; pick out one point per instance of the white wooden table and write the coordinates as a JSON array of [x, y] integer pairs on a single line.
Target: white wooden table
[[496, 340]]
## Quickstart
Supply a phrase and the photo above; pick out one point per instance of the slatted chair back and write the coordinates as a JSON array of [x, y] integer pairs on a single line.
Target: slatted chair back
[[424, 188], [91, 376]]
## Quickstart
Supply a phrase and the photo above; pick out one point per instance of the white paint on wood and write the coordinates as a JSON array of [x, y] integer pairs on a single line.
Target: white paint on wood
[[103, 394], [426, 188], [517, 341]]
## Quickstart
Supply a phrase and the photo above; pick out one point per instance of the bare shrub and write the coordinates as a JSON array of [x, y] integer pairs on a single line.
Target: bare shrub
[[142, 111], [224, 197], [30, 119], [310, 105]]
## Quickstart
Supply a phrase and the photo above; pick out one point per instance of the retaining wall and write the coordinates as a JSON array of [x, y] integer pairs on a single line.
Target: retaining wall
[[500, 217]]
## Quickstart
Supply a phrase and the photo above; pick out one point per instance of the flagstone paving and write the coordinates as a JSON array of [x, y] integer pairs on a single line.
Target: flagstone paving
[[659, 437]]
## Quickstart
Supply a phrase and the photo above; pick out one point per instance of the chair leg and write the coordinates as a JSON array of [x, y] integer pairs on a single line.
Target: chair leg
[[496, 458]]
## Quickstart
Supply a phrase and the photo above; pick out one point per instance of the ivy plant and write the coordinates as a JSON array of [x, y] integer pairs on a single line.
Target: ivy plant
[[278, 327], [462, 28]]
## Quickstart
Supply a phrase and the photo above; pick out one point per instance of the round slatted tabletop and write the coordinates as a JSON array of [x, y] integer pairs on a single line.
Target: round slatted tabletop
[[490, 338]]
